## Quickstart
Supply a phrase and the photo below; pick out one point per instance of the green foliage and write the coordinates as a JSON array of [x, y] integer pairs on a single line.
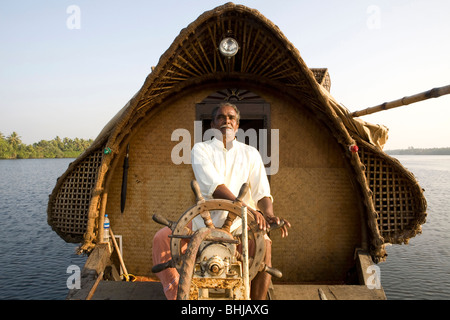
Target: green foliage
[[418, 151], [12, 147]]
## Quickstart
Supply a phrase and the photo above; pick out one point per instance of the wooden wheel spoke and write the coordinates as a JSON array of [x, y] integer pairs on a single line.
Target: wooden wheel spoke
[[206, 215], [228, 221]]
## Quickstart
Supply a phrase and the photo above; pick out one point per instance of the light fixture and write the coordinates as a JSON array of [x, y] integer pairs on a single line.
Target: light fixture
[[228, 47]]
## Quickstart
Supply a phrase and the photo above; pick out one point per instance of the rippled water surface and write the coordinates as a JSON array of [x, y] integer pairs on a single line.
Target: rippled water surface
[[34, 260], [421, 269]]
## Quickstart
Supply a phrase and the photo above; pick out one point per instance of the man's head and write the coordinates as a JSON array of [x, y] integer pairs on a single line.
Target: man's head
[[226, 119]]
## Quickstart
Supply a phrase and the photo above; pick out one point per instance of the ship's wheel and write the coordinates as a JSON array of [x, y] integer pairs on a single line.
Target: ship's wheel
[[218, 234], [213, 241]]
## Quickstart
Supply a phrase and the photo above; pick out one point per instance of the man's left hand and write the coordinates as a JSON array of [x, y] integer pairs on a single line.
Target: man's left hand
[[277, 220]]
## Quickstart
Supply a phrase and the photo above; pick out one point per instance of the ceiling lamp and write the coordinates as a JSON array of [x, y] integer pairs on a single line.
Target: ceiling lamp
[[228, 47]]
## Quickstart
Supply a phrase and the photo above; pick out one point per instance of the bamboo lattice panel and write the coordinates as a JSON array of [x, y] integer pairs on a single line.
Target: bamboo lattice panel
[[69, 214], [394, 197]]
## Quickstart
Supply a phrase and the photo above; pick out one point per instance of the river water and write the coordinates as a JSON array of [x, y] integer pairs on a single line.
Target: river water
[[34, 260], [421, 269]]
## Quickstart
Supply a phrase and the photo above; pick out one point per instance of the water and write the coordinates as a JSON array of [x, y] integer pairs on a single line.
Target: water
[[34, 259], [421, 269]]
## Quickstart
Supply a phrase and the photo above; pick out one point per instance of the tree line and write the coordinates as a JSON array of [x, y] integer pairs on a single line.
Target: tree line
[[419, 151], [12, 147]]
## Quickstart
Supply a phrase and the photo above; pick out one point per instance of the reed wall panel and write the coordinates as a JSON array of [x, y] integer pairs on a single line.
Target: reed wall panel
[[313, 190], [155, 183]]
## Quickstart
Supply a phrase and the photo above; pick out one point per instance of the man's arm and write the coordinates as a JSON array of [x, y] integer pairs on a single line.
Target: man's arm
[[266, 206], [222, 192]]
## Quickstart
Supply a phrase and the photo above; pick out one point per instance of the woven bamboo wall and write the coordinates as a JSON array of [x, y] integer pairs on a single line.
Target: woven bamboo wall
[[312, 190], [155, 184]]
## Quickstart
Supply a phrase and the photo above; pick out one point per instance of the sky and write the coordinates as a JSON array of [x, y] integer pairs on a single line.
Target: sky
[[67, 67]]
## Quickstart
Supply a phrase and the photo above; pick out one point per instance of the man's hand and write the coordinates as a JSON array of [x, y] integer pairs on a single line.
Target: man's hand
[[265, 204], [259, 218], [284, 227], [265, 222]]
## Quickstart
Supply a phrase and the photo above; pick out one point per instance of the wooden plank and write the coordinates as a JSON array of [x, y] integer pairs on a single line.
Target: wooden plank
[[363, 264], [122, 290], [355, 292], [328, 292], [98, 259], [95, 265]]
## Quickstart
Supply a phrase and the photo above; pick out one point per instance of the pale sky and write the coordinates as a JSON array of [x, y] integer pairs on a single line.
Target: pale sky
[[67, 74]]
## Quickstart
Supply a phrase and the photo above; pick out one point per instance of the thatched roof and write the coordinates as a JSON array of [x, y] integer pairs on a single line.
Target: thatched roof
[[267, 58]]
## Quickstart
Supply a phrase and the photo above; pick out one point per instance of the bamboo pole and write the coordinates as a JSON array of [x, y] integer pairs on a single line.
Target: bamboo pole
[[122, 263], [94, 287], [245, 271], [433, 93]]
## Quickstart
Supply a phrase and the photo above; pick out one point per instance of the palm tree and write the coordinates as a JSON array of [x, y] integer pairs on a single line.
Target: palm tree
[[14, 139], [67, 144]]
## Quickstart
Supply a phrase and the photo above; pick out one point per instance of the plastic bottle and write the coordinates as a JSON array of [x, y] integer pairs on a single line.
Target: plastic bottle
[[106, 229]]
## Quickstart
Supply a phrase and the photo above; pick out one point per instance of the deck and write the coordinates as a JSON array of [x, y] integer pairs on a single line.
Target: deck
[[120, 290], [94, 288]]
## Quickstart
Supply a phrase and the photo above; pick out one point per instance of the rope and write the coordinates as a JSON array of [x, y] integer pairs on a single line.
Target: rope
[[129, 277]]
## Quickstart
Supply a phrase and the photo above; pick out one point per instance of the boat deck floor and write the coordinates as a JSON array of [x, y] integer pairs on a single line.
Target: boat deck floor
[[119, 290], [122, 290]]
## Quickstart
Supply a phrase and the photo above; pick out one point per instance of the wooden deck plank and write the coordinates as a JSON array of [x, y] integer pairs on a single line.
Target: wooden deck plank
[[331, 292], [122, 290]]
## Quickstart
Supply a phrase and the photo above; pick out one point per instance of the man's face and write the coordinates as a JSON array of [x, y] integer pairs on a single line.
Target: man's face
[[226, 119]]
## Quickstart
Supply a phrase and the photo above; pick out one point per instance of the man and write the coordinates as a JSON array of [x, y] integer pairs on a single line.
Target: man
[[221, 166]]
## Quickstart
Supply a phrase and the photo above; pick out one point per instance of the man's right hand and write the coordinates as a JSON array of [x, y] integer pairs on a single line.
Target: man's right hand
[[259, 218], [265, 222]]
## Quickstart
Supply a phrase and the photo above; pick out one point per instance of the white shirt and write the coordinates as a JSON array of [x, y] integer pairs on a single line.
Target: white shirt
[[214, 165]]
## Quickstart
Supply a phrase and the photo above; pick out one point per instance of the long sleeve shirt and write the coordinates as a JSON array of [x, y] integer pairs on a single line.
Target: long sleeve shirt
[[214, 165]]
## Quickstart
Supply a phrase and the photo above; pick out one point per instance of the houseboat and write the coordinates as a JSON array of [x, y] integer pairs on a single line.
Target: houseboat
[[345, 198]]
